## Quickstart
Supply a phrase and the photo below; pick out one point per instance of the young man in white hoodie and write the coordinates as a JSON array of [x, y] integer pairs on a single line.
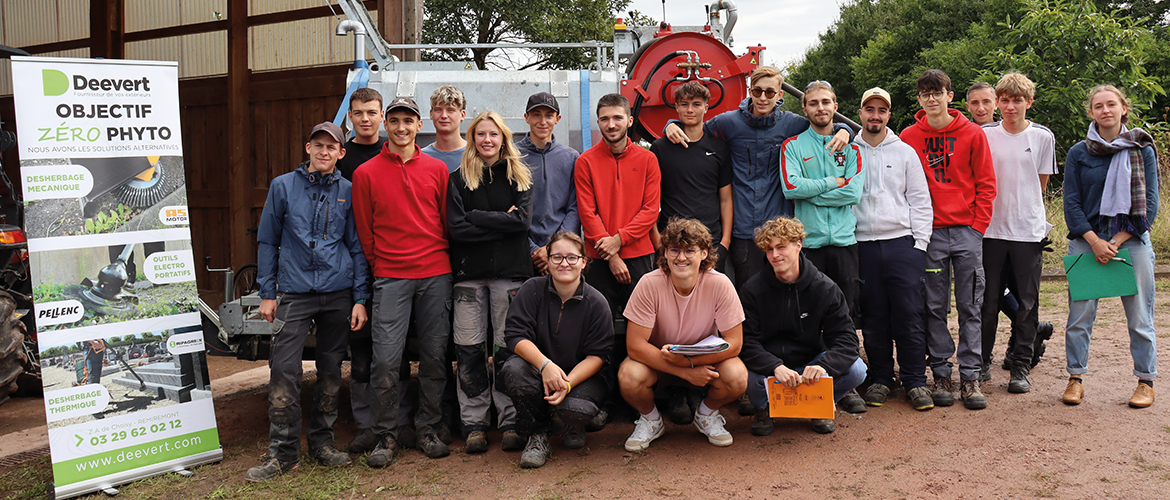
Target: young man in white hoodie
[[894, 220]]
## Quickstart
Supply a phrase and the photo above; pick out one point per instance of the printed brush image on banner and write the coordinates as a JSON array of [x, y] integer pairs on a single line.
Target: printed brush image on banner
[[127, 392]]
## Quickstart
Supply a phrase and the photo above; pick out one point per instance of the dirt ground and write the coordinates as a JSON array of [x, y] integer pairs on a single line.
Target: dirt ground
[[1021, 446]]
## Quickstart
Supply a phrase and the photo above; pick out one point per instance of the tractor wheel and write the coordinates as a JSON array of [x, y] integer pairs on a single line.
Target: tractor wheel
[[13, 358]]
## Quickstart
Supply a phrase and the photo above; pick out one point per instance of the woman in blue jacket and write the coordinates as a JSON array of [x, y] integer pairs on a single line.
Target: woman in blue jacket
[[1110, 203]]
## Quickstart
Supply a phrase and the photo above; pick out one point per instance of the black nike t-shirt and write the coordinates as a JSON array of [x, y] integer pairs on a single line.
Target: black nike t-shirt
[[357, 154], [691, 178]]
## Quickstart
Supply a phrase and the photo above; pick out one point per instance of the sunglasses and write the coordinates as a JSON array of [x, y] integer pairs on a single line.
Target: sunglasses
[[770, 93]]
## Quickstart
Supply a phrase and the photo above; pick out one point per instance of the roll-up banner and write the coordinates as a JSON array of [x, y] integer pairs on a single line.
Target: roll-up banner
[[127, 393]]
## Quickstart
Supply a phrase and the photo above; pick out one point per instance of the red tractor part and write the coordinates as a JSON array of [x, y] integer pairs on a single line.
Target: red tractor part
[[659, 67]]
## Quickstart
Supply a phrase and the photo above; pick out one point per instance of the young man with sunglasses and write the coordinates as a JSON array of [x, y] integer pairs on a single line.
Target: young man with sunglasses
[[959, 171], [754, 133]]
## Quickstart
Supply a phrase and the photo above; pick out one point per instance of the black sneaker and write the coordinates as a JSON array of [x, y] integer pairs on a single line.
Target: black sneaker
[[824, 425], [762, 423], [972, 397], [678, 410], [944, 391], [536, 451], [746, 408], [574, 439], [851, 402], [383, 454], [511, 441], [1019, 383], [407, 437], [1043, 333], [270, 469], [432, 446], [330, 456], [877, 394]]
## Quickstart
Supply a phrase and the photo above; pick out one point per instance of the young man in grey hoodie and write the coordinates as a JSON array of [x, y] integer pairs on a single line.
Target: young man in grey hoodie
[[894, 219]]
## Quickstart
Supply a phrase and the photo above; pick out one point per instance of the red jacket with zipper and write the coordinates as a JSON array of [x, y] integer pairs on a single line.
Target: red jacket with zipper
[[618, 194]]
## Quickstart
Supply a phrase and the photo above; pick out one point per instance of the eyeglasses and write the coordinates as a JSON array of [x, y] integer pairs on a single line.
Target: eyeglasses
[[673, 252], [557, 258], [818, 82], [769, 93], [926, 96]]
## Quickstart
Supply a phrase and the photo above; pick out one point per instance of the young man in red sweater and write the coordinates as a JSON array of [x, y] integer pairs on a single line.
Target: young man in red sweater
[[400, 200], [961, 177], [618, 186]]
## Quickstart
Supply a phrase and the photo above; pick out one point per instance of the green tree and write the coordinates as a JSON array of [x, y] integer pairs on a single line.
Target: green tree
[[1067, 47], [114, 340], [519, 21]]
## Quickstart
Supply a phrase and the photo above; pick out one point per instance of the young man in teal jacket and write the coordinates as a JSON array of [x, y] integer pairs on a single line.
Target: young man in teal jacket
[[824, 186]]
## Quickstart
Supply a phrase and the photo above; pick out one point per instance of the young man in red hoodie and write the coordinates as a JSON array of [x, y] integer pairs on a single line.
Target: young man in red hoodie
[[618, 187], [400, 206], [961, 177]]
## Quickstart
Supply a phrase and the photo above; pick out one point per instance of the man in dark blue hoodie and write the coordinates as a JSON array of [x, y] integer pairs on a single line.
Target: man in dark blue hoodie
[[554, 197], [311, 256]]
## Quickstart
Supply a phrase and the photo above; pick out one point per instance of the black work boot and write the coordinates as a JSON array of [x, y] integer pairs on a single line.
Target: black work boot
[[1019, 383]]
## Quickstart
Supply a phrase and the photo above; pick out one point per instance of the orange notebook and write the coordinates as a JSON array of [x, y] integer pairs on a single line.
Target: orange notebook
[[802, 401]]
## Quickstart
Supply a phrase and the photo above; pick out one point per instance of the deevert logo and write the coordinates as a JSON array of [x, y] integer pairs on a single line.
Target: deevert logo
[[56, 83]]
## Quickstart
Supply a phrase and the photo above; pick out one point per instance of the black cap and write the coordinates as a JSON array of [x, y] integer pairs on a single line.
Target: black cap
[[328, 127], [403, 103], [542, 99]]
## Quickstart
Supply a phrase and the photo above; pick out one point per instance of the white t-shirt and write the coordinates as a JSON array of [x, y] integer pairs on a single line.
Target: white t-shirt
[[1018, 213]]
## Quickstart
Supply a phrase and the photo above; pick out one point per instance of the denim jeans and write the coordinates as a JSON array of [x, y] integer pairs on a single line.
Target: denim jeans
[[757, 389], [1139, 314], [393, 302]]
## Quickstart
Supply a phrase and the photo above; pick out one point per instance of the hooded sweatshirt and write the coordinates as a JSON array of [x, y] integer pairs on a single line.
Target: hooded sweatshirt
[[896, 198], [554, 199], [791, 323], [810, 175], [958, 169]]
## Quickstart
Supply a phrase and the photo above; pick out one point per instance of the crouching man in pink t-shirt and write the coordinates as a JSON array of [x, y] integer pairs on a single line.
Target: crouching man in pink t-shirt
[[682, 302]]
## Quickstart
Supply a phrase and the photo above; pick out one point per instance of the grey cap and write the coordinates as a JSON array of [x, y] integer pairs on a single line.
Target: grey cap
[[328, 127], [542, 99], [403, 103]]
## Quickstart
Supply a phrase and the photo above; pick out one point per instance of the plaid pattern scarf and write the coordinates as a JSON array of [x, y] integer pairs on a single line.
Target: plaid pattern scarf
[[1123, 202]]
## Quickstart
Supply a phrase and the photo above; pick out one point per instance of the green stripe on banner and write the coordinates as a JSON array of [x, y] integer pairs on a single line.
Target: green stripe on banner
[[133, 457]]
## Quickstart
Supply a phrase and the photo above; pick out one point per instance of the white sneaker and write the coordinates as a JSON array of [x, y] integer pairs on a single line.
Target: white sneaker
[[645, 431], [712, 427]]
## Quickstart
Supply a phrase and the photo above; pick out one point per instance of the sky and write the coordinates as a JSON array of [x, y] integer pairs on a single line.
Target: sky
[[786, 27]]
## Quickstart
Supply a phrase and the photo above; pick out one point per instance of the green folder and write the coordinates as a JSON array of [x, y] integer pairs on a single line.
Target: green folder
[[1088, 279]]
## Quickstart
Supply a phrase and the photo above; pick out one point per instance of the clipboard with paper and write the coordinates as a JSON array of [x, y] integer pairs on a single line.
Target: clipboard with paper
[[802, 401], [1088, 279]]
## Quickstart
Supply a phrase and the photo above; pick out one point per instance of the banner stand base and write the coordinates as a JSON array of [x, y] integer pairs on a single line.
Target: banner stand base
[[111, 491]]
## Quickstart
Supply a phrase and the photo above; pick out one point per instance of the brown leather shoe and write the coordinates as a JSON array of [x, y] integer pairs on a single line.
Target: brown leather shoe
[[1074, 392], [1142, 397]]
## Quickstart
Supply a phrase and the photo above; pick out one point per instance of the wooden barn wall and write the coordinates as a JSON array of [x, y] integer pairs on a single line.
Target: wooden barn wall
[[283, 106]]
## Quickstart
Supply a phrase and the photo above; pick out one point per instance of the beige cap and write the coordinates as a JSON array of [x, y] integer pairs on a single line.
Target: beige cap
[[876, 92]]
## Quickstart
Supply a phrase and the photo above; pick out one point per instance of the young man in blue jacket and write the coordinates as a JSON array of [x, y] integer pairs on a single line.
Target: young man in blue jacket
[[311, 256], [754, 133], [554, 196]]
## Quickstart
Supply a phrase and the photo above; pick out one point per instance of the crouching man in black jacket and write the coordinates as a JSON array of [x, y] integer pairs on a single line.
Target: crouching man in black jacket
[[797, 325]]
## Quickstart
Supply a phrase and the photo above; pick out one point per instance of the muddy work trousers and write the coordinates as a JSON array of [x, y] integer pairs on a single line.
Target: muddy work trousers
[[330, 312], [534, 414]]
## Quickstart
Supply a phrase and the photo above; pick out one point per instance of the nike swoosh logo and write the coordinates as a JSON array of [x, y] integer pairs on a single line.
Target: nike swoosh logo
[[809, 158], [709, 153]]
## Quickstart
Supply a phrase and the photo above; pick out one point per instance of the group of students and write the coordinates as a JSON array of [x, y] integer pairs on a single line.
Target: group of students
[[517, 259]]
